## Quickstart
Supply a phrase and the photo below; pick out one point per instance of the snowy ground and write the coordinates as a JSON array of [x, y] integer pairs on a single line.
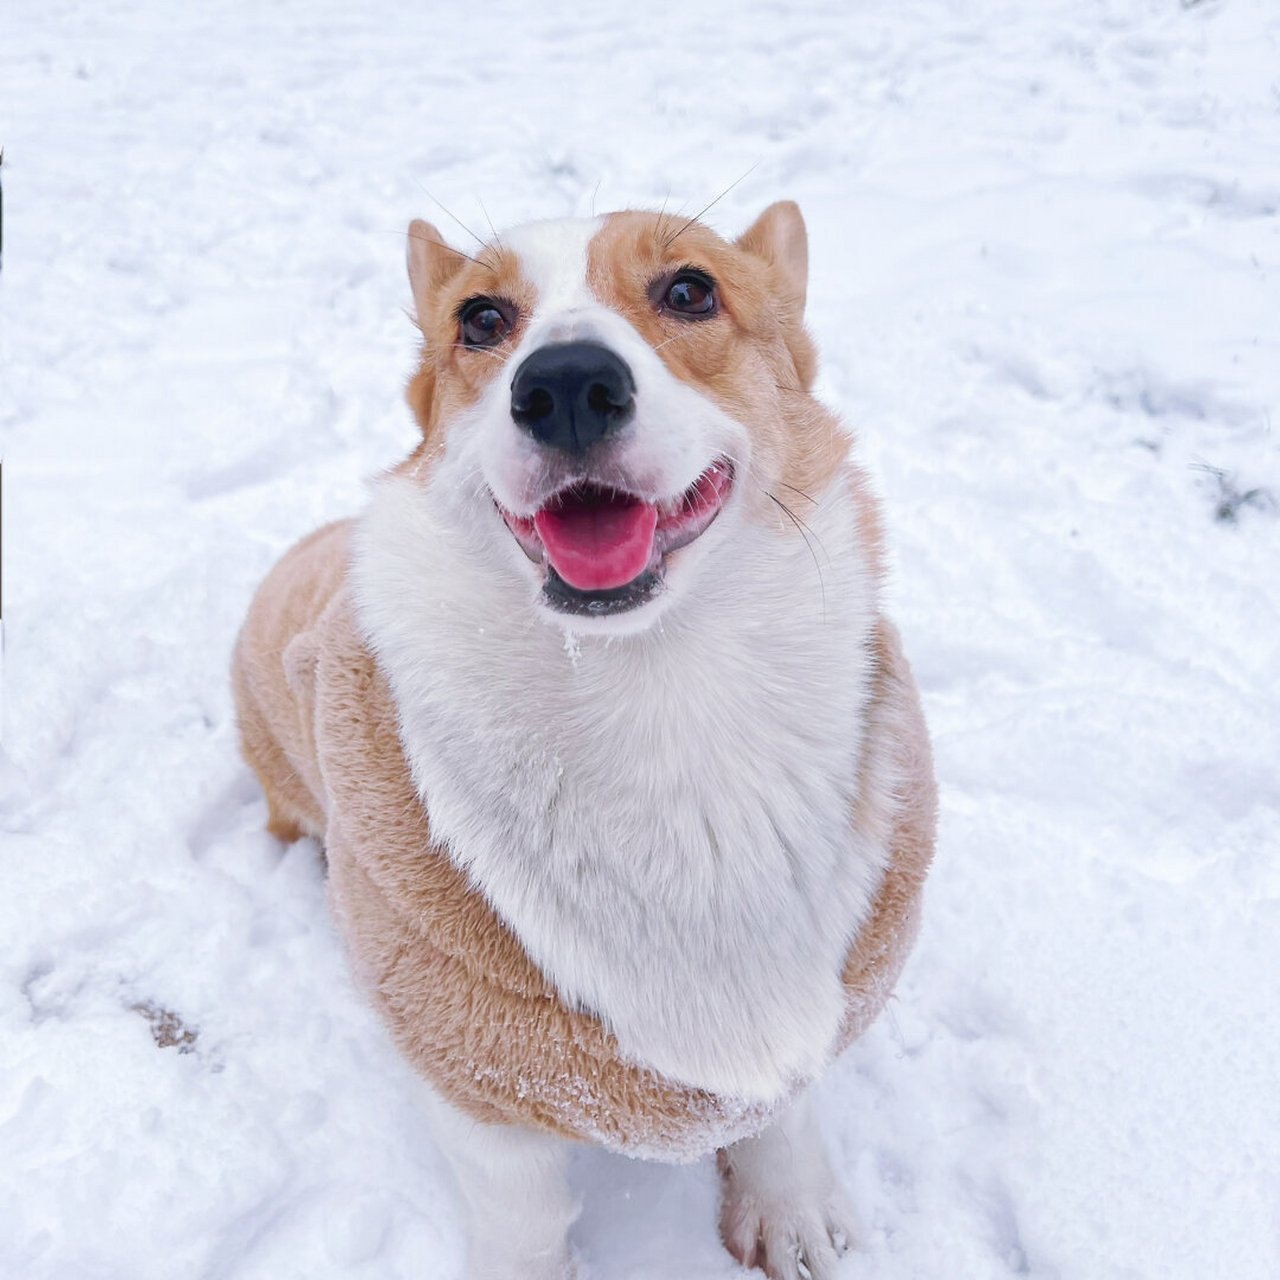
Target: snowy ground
[[1046, 248]]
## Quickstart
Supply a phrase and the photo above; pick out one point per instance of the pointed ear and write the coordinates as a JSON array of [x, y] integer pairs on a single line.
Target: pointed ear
[[431, 264], [778, 236]]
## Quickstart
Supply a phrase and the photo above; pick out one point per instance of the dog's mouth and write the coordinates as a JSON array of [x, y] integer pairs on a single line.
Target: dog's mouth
[[605, 549]]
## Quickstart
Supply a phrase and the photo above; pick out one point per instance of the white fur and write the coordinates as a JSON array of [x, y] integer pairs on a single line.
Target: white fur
[[674, 435], [778, 1189], [663, 819], [519, 1206], [553, 258], [659, 808], [781, 1198]]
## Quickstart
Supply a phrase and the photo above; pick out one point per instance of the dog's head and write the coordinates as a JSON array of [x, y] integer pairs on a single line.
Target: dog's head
[[612, 398]]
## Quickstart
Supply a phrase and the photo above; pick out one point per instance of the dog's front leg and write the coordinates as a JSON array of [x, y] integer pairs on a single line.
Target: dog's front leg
[[781, 1208], [519, 1207]]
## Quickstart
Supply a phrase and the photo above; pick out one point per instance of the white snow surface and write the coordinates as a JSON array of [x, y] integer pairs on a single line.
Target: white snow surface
[[1046, 282]]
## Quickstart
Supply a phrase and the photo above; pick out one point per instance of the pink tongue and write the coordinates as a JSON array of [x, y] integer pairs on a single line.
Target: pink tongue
[[595, 546]]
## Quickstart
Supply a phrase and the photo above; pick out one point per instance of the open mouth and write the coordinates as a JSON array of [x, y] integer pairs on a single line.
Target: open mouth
[[605, 549]]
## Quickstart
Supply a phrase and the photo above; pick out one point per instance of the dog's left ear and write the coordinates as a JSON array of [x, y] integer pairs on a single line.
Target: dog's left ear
[[778, 236], [432, 264]]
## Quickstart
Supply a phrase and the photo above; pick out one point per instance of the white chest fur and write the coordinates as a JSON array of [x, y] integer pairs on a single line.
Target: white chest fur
[[663, 820]]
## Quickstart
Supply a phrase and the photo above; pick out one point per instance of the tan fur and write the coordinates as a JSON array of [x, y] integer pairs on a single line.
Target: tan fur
[[449, 377], [755, 359], [461, 998]]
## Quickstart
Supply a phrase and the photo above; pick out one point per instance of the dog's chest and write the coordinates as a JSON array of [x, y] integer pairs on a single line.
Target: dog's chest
[[665, 823]]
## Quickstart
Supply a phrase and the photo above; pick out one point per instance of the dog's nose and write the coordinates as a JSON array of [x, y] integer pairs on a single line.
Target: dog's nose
[[569, 394]]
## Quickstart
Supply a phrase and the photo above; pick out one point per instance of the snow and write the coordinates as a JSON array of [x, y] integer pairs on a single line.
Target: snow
[[1046, 254]]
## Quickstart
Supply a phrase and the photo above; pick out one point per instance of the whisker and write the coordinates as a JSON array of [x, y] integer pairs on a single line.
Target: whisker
[[484, 351], [674, 337], [662, 217], [801, 492], [809, 538], [441, 244], [476, 476], [712, 205], [497, 239], [451, 214]]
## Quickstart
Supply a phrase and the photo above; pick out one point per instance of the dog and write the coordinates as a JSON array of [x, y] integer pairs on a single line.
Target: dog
[[620, 771]]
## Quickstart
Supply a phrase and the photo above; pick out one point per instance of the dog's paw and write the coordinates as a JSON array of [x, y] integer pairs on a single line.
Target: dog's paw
[[790, 1232]]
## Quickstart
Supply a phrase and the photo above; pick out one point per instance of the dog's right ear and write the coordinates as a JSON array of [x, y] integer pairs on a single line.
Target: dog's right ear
[[432, 264]]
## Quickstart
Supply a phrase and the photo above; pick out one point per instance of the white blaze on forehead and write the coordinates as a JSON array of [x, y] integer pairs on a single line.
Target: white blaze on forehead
[[676, 432], [553, 258]]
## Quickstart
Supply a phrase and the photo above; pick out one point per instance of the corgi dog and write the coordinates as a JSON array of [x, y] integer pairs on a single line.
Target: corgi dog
[[622, 777]]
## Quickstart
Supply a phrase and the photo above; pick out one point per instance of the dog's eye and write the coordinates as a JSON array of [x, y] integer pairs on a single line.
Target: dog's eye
[[691, 294], [482, 323]]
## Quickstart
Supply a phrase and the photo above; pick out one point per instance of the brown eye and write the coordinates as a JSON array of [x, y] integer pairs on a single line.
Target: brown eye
[[691, 294], [483, 322]]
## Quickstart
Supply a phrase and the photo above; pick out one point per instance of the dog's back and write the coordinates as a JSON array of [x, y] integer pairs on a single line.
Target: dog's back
[[268, 672]]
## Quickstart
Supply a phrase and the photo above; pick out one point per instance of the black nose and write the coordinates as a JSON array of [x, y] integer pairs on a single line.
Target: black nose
[[569, 394]]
